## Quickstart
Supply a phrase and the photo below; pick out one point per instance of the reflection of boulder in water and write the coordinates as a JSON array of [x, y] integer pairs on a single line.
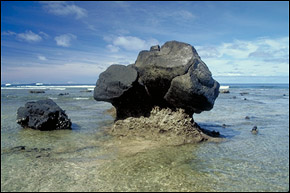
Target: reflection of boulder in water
[[43, 115]]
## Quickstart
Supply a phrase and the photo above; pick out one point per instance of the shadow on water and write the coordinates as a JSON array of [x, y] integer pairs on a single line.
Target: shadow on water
[[225, 130], [75, 127]]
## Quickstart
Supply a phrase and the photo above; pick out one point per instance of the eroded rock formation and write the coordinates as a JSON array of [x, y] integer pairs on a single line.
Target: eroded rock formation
[[164, 126], [172, 76]]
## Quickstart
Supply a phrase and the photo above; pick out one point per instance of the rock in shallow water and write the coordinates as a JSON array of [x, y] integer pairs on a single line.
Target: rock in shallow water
[[43, 115], [172, 76]]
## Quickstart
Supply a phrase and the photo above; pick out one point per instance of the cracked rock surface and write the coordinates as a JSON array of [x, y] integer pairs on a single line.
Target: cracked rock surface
[[43, 115], [172, 76]]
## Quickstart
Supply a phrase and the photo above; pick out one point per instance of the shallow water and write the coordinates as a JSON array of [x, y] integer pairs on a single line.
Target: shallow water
[[86, 159]]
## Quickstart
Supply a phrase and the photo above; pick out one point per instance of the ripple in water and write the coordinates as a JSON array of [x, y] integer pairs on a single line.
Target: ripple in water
[[86, 159]]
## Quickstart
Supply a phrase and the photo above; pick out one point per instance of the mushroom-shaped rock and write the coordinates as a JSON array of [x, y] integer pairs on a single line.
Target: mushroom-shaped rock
[[43, 115], [172, 76]]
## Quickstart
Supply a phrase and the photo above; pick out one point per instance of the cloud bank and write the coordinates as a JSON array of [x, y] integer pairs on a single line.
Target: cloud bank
[[64, 8]]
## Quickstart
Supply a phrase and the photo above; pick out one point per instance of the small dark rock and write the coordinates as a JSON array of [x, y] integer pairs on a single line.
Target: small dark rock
[[215, 133], [224, 125], [37, 91], [234, 97], [18, 148], [162, 131], [254, 130], [61, 94], [243, 93], [86, 91], [247, 117], [245, 99]]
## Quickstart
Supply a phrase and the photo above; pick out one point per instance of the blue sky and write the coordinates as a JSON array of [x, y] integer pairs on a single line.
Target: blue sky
[[73, 42]]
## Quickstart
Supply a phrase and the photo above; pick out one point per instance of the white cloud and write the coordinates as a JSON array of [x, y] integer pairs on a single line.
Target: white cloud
[[8, 33], [43, 58], [130, 43], [29, 36], [113, 48], [185, 14], [64, 40], [64, 8], [44, 35], [262, 57]]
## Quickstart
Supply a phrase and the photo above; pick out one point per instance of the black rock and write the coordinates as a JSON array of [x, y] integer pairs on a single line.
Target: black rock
[[172, 76], [215, 133], [37, 91], [43, 115], [155, 48], [243, 93], [119, 86], [62, 94], [255, 130], [18, 148], [247, 117]]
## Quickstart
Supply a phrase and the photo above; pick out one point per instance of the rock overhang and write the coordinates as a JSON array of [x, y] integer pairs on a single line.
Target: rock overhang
[[172, 76]]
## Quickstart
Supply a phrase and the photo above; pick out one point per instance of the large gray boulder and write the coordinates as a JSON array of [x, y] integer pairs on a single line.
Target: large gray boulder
[[119, 86], [114, 82], [43, 115], [196, 87], [172, 76]]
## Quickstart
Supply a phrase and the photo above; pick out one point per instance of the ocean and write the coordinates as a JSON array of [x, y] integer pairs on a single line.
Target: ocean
[[87, 159]]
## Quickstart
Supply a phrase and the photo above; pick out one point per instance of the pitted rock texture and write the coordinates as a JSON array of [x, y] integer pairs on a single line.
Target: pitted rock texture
[[172, 76], [163, 125], [43, 115]]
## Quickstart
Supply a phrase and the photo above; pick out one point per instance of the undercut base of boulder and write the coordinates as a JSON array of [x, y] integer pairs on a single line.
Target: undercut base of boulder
[[163, 126]]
